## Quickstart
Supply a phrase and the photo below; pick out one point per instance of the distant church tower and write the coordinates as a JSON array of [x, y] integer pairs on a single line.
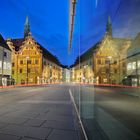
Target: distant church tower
[[26, 27], [109, 27]]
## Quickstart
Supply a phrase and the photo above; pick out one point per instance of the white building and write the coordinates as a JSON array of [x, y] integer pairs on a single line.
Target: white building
[[5, 63], [133, 63], [66, 75]]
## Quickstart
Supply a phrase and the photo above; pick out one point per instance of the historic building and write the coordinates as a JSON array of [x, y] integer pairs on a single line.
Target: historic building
[[103, 63], [109, 63], [133, 63], [82, 70], [31, 62], [5, 63]]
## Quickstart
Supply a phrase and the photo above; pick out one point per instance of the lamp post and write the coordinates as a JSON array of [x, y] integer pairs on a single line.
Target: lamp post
[[85, 73], [84, 78], [27, 58], [50, 73]]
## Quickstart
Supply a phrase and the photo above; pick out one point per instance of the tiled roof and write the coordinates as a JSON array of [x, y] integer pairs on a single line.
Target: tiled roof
[[48, 55], [86, 55], [3, 43]]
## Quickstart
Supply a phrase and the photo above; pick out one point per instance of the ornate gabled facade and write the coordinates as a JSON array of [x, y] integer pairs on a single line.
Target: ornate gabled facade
[[109, 63], [31, 62], [26, 60], [103, 63]]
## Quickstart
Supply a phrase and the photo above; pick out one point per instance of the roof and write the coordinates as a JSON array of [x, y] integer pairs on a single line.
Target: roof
[[135, 47], [48, 55], [86, 55], [3, 43], [119, 42], [17, 43]]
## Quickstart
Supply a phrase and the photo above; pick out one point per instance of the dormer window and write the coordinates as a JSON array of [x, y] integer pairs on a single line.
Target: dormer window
[[5, 54]]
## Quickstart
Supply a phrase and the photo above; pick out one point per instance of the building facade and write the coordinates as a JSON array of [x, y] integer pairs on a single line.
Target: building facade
[[31, 62], [133, 63], [103, 63], [109, 63], [5, 63]]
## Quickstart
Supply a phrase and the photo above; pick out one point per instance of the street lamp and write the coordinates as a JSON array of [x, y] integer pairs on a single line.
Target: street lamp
[[50, 73], [27, 58], [85, 73]]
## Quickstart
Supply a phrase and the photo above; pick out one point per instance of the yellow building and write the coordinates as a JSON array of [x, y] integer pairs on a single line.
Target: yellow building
[[109, 66], [105, 62], [32, 63]]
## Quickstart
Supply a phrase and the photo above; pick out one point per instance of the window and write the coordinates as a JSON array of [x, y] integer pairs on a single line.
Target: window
[[13, 64], [115, 61], [129, 66], [29, 61], [21, 62], [8, 66], [12, 71], [20, 71], [115, 71], [4, 65], [36, 62], [99, 61], [5, 54], [105, 80], [134, 65]]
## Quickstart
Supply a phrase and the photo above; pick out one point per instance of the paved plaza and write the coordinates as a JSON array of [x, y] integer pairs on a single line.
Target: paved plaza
[[37, 113]]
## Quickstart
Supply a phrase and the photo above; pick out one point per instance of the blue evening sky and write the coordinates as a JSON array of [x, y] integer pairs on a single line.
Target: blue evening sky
[[49, 22]]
